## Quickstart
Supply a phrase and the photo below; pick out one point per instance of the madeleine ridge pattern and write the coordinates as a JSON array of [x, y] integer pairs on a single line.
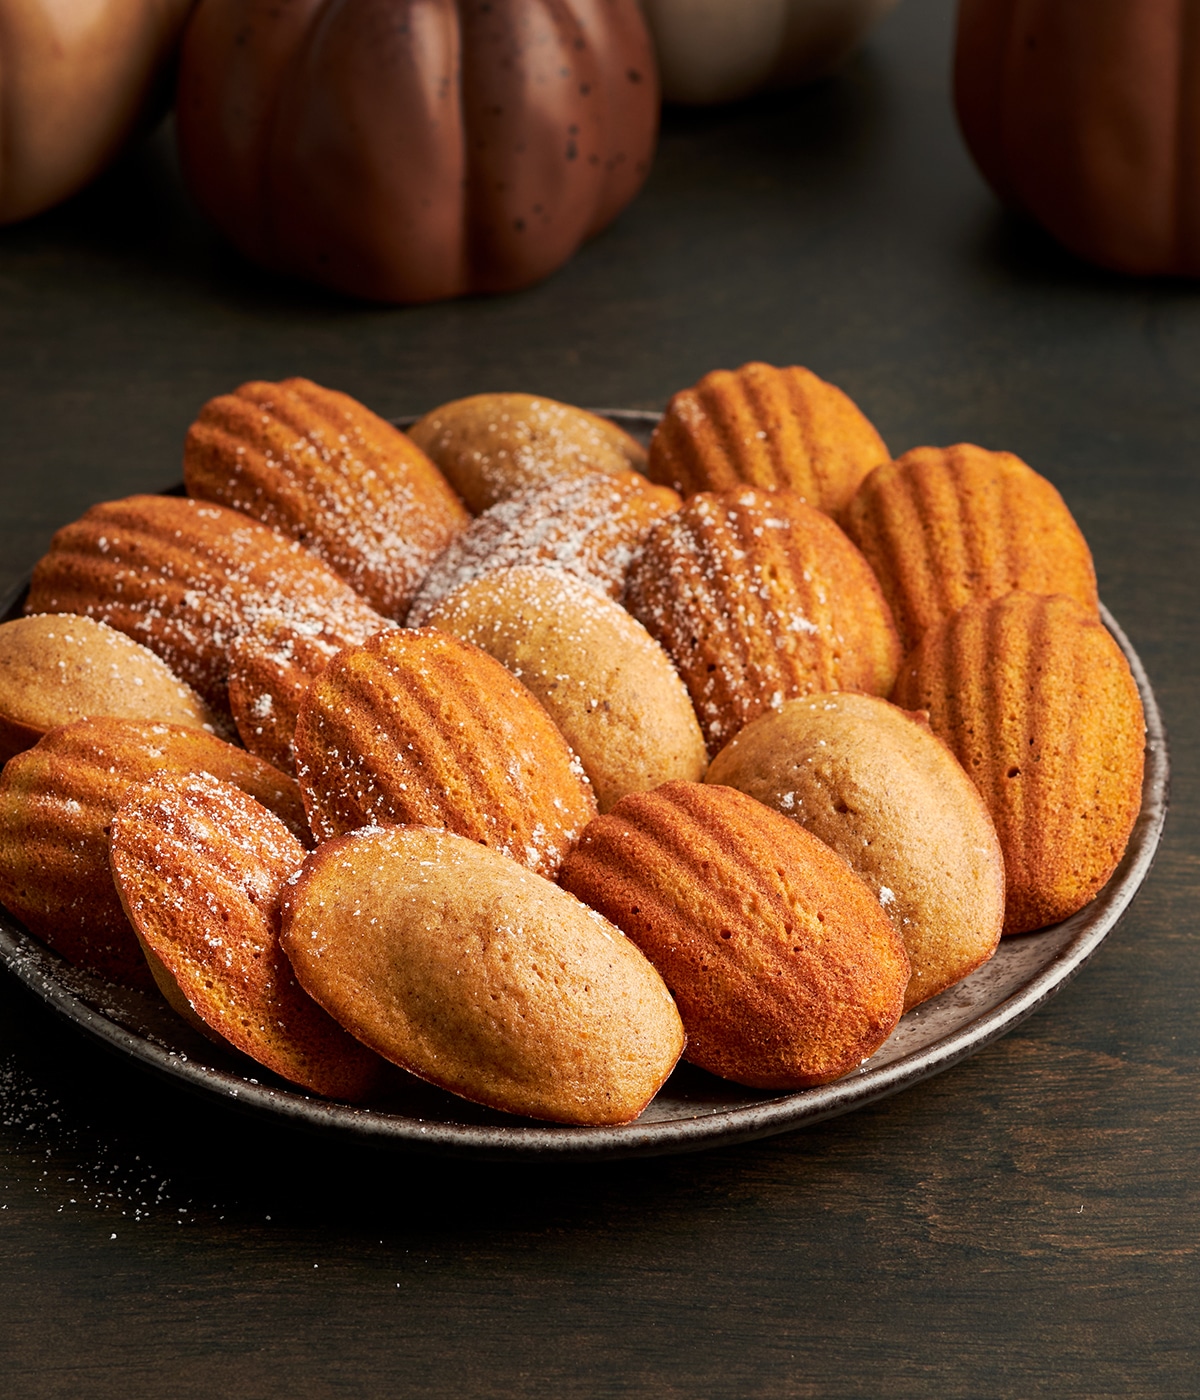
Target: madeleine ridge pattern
[[417, 727], [779, 429], [188, 579], [199, 867], [944, 526], [56, 802], [320, 468], [1039, 706], [759, 598], [785, 969]]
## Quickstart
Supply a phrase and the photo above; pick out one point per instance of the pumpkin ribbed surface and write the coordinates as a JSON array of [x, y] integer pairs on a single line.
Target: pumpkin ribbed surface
[[188, 579], [419, 728], [782, 429], [943, 526], [317, 466], [758, 599], [1038, 704], [405, 150], [56, 802], [588, 524], [200, 867], [785, 968]]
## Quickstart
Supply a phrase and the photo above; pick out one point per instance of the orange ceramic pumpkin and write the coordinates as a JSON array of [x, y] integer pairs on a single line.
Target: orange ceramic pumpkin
[[406, 150], [1086, 113], [76, 76]]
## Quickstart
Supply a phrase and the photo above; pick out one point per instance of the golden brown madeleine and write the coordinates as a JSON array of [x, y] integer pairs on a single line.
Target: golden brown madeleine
[[605, 682], [942, 526], [1038, 704], [59, 668], [418, 727], [493, 445], [586, 523], [758, 598], [56, 802], [480, 977], [785, 969], [877, 786], [780, 429], [320, 468], [270, 671], [199, 867], [187, 579]]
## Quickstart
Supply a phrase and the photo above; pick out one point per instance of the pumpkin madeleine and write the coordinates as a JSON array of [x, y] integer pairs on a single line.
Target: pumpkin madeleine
[[56, 802], [418, 727], [944, 525], [758, 598], [1039, 706], [779, 429], [319, 467], [59, 668], [199, 866], [461, 967], [188, 579], [785, 968], [492, 445]]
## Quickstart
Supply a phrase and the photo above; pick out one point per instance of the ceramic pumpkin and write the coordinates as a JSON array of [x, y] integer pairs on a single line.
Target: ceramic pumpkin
[[719, 50], [1087, 116], [76, 77], [407, 150]]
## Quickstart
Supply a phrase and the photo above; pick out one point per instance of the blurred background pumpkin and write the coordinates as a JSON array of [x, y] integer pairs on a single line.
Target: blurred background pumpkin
[[1086, 115], [76, 79], [407, 150], [719, 50]]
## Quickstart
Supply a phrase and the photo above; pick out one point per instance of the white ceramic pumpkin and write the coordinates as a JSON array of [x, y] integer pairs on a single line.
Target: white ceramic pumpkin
[[719, 50], [75, 79]]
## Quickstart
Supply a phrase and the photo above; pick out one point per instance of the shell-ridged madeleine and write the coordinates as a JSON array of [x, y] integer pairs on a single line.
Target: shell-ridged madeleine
[[605, 682], [588, 524], [480, 977], [785, 968], [492, 445], [1037, 702], [56, 802], [758, 598], [321, 468], [780, 429], [57, 668], [417, 727], [270, 671], [943, 526], [187, 579], [879, 788], [199, 867]]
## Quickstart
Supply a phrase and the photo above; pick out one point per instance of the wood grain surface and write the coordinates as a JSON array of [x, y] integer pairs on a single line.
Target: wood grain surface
[[1026, 1224]]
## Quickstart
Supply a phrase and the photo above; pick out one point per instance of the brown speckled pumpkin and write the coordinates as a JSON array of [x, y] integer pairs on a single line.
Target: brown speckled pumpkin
[[406, 150], [1087, 116]]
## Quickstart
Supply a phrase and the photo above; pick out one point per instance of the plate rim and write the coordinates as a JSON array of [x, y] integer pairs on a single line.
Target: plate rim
[[32, 963]]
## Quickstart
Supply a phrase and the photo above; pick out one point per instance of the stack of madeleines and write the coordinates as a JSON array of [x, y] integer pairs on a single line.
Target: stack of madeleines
[[508, 754]]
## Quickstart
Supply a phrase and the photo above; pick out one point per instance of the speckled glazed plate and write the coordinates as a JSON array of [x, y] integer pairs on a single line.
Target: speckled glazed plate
[[694, 1110]]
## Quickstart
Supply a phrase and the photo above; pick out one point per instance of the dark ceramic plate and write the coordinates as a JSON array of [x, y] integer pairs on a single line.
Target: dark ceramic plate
[[694, 1110]]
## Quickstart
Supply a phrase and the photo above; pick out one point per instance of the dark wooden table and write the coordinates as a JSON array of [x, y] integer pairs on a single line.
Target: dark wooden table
[[1026, 1224]]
